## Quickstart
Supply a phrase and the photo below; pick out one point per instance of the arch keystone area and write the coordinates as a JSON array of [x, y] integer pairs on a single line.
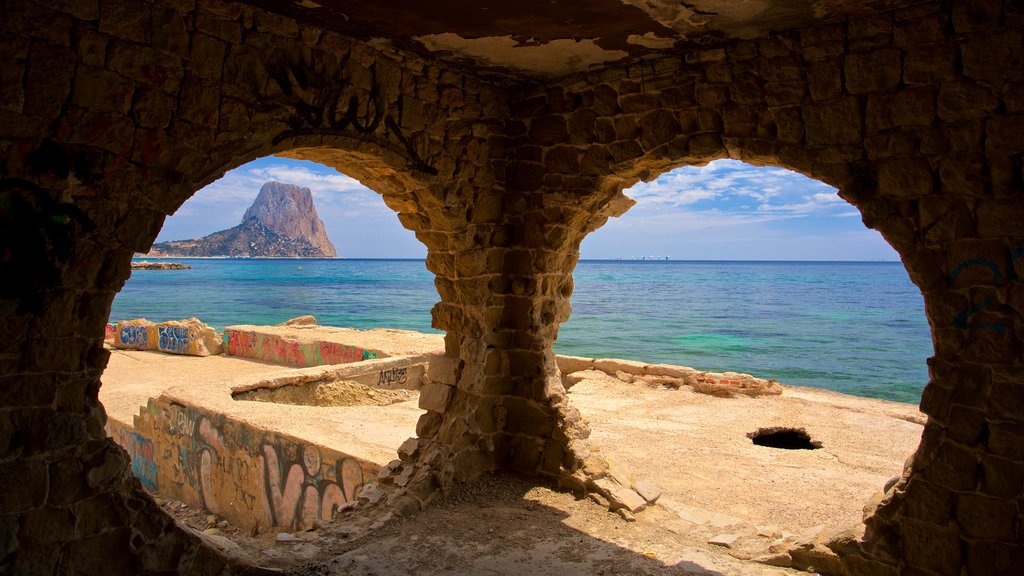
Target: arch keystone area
[[501, 153]]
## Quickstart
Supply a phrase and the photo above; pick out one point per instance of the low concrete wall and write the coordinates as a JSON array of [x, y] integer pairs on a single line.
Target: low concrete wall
[[258, 480], [397, 372], [725, 384], [291, 352]]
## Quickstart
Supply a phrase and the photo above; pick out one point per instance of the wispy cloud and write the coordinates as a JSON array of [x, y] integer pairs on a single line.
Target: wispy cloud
[[725, 209], [735, 187], [728, 209]]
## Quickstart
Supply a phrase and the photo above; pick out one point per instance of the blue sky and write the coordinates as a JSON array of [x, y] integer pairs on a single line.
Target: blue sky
[[726, 210]]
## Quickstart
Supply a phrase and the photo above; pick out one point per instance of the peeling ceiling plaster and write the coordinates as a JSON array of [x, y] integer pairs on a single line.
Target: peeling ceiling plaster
[[525, 39], [554, 58], [652, 41]]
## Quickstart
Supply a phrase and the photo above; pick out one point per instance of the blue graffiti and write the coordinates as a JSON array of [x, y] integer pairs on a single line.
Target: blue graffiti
[[962, 319], [175, 338], [134, 335], [140, 449]]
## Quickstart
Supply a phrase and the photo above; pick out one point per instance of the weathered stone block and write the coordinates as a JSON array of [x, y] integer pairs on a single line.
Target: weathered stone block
[[919, 32], [146, 66], [833, 123], [711, 95], [527, 417], [124, 20], [428, 424], [23, 485], [1000, 218], [929, 65], [825, 80], [48, 79], [435, 397], [408, 450], [872, 71], [905, 178], [785, 93], [562, 160], [984, 558], [965, 101], [152, 108], [994, 58], [647, 490], [1001, 477], [102, 91], [910, 107], [932, 547], [111, 132], [986, 518], [962, 175], [820, 42], [657, 128], [870, 31]]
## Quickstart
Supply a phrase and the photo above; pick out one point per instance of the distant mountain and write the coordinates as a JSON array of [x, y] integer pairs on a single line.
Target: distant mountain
[[282, 222]]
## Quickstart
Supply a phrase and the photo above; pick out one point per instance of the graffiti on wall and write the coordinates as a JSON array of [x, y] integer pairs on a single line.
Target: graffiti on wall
[[169, 337], [140, 451], [273, 348], [392, 377], [257, 479], [323, 99], [981, 304]]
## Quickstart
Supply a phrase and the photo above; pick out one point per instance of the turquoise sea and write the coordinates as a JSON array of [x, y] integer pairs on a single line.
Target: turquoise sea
[[854, 327]]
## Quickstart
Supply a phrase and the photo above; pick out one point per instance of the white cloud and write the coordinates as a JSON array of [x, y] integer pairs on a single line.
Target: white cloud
[[730, 186]]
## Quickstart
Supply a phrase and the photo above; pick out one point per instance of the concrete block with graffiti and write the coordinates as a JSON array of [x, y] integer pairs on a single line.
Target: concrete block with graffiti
[[281, 349], [189, 336], [259, 480]]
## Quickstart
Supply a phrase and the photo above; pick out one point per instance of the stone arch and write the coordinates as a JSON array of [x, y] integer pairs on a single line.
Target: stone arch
[[110, 133], [916, 113], [877, 121]]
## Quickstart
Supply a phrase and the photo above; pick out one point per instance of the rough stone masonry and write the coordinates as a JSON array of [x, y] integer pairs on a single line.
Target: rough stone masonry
[[112, 113]]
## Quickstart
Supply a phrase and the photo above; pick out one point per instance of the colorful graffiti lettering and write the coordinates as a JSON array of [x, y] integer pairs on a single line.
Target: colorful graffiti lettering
[[134, 335], [140, 451], [256, 479], [172, 337], [273, 348], [304, 497], [177, 339]]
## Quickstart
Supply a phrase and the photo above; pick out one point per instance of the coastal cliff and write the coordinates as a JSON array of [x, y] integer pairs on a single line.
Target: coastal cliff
[[282, 222]]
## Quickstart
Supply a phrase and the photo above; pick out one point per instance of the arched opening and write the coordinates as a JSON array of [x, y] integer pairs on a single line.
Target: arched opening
[[750, 278], [271, 431]]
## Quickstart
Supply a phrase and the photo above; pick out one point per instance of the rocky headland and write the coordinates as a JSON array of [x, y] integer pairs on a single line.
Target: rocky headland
[[144, 265], [281, 223]]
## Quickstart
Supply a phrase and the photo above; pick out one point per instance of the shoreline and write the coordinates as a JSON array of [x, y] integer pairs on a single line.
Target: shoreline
[[683, 441]]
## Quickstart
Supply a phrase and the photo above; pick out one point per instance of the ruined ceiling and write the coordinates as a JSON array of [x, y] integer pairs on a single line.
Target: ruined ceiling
[[537, 39]]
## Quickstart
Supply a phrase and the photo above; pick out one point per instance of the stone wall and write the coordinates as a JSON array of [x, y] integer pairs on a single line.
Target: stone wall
[[112, 113]]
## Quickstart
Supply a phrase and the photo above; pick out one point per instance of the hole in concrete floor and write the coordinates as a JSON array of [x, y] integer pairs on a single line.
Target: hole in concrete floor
[[784, 438]]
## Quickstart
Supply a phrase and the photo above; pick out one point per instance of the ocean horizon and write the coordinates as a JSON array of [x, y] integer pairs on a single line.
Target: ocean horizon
[[856, 327]]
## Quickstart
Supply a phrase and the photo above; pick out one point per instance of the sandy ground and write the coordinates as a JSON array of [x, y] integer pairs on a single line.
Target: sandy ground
[[715, 481]]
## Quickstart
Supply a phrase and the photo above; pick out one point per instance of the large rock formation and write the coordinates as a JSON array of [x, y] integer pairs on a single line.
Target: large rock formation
[[282, 222]]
